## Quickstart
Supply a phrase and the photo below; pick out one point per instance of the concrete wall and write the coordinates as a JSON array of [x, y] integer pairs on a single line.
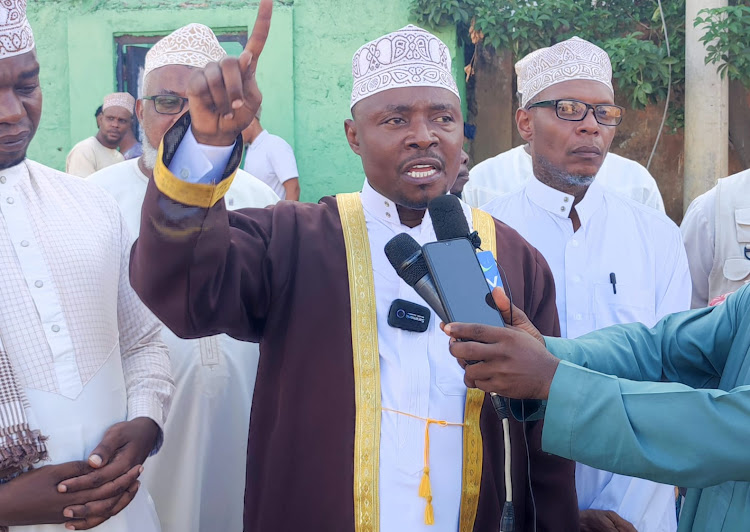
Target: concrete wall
[[304, 73]]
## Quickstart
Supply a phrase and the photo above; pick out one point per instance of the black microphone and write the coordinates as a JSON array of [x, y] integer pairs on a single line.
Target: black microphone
[[449, 221], [405, 255]]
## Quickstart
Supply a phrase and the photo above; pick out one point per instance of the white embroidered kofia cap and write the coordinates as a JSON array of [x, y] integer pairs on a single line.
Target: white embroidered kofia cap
[[119, 99], [193, 45], [15, 32], [409, 57], [565, 61]]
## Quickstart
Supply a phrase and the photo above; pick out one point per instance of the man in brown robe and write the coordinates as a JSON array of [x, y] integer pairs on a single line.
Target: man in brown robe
[[346, 408]]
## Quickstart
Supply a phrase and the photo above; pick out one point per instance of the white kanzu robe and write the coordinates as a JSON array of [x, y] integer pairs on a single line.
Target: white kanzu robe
[[644, 251], [198, 479], [83, 346]]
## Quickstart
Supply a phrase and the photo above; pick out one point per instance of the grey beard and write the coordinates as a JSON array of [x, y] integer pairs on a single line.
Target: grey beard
[[149, 152], [559, 178]]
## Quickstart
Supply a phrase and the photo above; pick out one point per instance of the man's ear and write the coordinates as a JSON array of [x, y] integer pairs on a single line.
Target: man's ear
[[350, 127], [139, 111], [525, 124]]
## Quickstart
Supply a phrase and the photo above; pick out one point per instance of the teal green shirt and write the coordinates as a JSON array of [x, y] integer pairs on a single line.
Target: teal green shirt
[[692, 431]]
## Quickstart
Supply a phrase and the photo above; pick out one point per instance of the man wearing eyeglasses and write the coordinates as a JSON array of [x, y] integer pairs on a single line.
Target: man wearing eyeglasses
[[197, 481], [614, 260]]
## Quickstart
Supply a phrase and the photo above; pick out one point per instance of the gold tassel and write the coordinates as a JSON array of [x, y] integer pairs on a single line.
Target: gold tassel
[[425, 489], [429, 514]]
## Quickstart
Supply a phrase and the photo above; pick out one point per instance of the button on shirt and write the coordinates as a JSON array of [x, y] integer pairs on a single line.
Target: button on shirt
[[644, 251]]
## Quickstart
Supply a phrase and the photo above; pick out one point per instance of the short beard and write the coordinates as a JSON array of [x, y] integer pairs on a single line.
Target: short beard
[[13, 162], [559, 179], [150, 154]]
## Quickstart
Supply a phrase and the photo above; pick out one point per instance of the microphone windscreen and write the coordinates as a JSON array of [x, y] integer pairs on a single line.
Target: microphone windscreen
[[448, 218], [405, 255]]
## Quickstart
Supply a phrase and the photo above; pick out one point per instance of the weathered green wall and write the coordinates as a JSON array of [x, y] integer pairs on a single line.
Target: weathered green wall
[[304, 73]]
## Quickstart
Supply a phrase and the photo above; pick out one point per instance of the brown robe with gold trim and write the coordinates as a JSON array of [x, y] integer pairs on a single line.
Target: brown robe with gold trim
[[278, 276]]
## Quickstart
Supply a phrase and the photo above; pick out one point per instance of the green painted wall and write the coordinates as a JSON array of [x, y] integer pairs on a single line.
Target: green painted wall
[[304, 73]]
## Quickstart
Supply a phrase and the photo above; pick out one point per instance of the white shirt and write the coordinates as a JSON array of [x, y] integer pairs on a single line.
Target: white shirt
[[271, 159], [83, 346], [644, 249], [418, 375], [510, 170], [198, 478], [699, 232]]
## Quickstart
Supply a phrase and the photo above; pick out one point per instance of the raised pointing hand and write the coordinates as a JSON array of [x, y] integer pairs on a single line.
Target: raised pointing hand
[[224, 96]]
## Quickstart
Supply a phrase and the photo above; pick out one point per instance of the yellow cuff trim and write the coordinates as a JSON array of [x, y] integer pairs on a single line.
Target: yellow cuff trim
[[193, 194]]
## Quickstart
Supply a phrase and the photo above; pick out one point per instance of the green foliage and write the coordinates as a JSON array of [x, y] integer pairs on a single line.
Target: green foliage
[[726, 41], [629, 30]]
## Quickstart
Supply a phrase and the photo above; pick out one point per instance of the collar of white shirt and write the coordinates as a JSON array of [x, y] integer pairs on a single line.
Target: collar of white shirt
[[560, 204], [263, 135], [384, 211], [13, 175]]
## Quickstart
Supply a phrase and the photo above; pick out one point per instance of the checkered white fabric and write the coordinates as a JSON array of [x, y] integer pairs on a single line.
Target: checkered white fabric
[[67, 303]]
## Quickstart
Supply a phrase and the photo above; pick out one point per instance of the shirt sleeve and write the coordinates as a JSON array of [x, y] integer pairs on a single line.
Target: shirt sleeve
[[647, 505], [80, 162], [145, 358], [653, 197], [632, 427], [699, 233], [199, 163], [673, 286], [283, 162]]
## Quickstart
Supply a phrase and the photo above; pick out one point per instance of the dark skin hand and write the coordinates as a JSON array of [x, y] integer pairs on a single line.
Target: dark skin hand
[[224, 97], [604, 521], [515, 363], [33, 497], [124, 448]]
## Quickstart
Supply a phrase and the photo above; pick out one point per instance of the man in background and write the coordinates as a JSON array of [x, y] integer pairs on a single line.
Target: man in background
[[271, 159], [84, 378], [198, 479], [100, 151], [613, 259], [716, 229]]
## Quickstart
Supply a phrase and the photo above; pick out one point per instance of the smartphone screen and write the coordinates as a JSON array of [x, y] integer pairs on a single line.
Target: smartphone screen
[[460, 282]]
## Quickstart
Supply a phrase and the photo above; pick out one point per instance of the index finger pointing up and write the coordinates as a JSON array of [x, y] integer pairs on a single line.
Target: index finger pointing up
[[258, 37]]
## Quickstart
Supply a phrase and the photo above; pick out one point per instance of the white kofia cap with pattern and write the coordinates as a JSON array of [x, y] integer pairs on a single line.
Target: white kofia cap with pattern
[[15, 32], [194, 45], [409, 57], [565, 61], [119, 99]]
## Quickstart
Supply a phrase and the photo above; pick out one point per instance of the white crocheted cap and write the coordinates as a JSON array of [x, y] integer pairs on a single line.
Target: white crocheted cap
[[193, 45], [119, 99], [409, 57], [15, 32], [565, 61]]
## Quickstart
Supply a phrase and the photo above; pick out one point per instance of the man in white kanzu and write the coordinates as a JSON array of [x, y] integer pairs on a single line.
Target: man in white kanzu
[[614, 260], [198, 479], [97, 152], [271, 159], [84, 377], [716, 229]]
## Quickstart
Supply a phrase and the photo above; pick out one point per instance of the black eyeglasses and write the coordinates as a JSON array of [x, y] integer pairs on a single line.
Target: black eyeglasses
[[167, 104], [575, 111]]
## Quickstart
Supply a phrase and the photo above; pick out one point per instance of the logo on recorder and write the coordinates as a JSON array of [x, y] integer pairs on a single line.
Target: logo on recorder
[[408, 316]]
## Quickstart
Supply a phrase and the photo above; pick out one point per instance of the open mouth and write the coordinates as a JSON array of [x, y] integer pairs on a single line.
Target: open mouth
[[421, 171]]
